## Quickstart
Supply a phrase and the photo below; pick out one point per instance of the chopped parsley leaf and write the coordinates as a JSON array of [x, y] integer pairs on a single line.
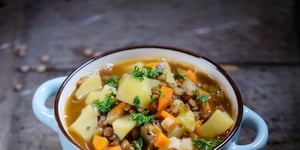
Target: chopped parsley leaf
[[152, 99], [137, 73], [179, 75], [106, 105], [113, 81], [138, 143], [137, 102], [206, 144], [142, 118], [203, 98], [152, 73]]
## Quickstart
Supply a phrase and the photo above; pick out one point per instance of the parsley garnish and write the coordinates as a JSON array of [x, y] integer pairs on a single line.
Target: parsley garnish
[[137, 73], [204, 144], [142, 118], [145, 72], [137, 102], [152, 73], [203, 98], [113, 81], [138, 143], [179, 75], [106, 105], [152, 99]]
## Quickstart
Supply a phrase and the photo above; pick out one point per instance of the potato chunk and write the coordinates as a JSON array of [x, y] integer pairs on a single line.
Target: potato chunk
[[187, 119], [131, 87], [92, 83], [217, 124], [123, 125], [86, 124], [95, 95]]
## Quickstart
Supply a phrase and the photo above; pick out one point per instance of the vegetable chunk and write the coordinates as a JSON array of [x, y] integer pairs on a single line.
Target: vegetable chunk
[[100, 143], [130, 87], [99, 95], [86, 123], [187, 119], [217, 124], [123, 125], [92, 83]]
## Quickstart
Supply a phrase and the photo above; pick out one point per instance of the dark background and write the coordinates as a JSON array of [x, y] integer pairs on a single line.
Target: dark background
[[256, 41]]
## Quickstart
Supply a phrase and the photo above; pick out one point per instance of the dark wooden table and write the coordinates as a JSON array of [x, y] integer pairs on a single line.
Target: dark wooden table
[[255, 41]]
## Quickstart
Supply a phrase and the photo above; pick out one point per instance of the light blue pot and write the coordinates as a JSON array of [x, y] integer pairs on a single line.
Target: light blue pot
[[62, 87]]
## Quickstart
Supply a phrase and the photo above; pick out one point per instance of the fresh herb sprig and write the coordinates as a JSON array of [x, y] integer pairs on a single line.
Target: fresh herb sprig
[[206, 144], [138, 143], [113, 81], [145, 71], [137, 102], [137, 73], [106, 105], [152, 73], [179, 75], [202, 97], [142, 118]]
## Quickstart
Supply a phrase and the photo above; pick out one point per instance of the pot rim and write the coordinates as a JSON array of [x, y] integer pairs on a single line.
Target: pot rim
[[189, 52]]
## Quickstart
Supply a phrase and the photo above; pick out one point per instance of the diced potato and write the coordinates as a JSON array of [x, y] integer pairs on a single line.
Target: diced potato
[[169, 75], [86, 124], [186, 144], [129, 68], [95, 95], [174, 143], [131, 87], [187, 119], [122, 126], [92, 83], [217, 124], [178, 131]]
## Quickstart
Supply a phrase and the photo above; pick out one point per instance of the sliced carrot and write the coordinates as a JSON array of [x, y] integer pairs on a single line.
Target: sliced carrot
[[119, 109], [100, 143], [165, 98], [207, 107], [189, 74], [165, 115], [161, 140], [198, 124], [114, 148], [151, 64]]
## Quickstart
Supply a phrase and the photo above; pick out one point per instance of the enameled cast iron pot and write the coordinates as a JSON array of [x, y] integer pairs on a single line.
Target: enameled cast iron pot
[[63, 87]]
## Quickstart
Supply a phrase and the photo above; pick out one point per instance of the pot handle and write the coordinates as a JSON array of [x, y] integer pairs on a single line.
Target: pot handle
[[41, 95], [256, 123]]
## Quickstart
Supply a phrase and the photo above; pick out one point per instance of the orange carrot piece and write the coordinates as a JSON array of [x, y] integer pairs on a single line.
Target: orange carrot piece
[[151, 64], [165, 115], [118, 147], [198, 124], [118, 109], [189, 74], [161, 140], [100, 143], [206, 107], [165, 98]]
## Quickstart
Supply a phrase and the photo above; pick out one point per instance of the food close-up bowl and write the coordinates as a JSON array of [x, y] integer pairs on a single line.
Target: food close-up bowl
[[148, 97]]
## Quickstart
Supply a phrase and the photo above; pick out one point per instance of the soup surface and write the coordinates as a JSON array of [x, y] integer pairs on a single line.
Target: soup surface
[[148, 104]]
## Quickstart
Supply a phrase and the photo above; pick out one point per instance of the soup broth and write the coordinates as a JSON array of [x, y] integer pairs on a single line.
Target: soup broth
[[156, 103]]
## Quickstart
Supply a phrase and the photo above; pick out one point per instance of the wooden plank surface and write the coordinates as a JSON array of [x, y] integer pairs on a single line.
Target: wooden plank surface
[[256, 41]]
